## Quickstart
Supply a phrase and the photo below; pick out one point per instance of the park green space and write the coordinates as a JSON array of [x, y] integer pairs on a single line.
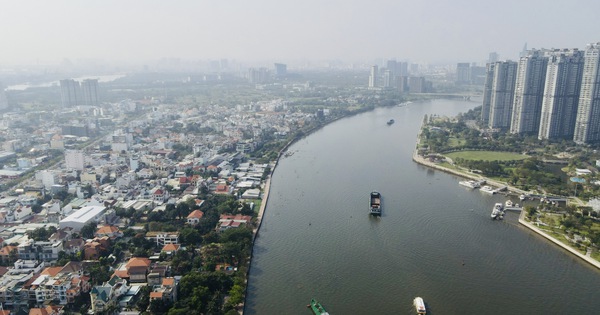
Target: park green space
[[486, 155]]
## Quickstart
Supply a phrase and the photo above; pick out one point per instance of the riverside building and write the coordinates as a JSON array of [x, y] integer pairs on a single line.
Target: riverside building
[[587, 125], [561, 94], [529, 92]]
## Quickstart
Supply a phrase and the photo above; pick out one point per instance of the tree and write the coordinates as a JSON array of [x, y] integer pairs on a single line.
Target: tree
[[88, 230], [144, 300]]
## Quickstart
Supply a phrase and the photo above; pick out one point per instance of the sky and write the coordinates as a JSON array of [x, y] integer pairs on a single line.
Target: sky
[[420, 31]]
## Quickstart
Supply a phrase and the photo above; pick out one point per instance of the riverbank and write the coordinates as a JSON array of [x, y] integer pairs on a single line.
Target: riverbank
[[549, 237], [265, 194], [425, 162]]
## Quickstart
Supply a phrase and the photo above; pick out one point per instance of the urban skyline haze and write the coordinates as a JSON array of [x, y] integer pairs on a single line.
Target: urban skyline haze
[[438, 31]]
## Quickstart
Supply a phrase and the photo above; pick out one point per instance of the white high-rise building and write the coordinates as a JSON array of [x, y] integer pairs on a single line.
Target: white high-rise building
[[529, 92], [487, 93], [74, 159], [587, 124], [502, 94], [89, 89], [48, 178], [70, 92], [373, 78], [561, 94]]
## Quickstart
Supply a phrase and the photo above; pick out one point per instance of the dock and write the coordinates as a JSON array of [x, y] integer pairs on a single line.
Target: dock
[[513, 208]]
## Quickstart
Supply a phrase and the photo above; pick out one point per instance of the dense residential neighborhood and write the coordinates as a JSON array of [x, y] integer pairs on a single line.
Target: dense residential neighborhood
[[112, 208]]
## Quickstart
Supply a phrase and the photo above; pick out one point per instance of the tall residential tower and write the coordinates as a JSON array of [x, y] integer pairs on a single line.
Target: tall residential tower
[[502, 94], [561, 94], [587, 124], [529, 92]]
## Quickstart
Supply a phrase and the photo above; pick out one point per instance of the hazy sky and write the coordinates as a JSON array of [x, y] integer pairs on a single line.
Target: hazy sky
[[350, 30]]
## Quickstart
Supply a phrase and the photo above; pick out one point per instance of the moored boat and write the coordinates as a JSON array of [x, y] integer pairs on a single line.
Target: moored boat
[[498, 211], [488, 189], [391, 121], [375, 203], [469, 183], [317, 308], [419, 305]]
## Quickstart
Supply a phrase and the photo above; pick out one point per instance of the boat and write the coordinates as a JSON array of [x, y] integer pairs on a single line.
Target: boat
[[498, 211], [469, 183], [488, 189], [317, 308], [508, 203], [375, 203], [419, 305], [391, 121]]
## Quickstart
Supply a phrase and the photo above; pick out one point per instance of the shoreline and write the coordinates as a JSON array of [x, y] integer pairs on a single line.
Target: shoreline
[[423, 161], [265, 198]]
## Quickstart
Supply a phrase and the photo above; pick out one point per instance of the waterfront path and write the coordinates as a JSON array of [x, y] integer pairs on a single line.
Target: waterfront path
[[549, 237]]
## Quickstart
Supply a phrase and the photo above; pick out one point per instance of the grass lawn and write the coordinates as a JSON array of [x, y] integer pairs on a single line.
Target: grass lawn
[[487, 156], [456, 142]]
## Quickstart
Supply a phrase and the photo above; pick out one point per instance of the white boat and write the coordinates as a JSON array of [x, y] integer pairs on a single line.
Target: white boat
[[469, 183], [522, 197], [498, 211], [508, 203], [419, 305], [488, 189]]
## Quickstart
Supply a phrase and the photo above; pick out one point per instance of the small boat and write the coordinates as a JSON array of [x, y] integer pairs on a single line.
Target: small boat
[[419, 305], [317, 308], [508, 203], [391, 121], [375, 203], [469, 183], [488, 189], [498, 211]]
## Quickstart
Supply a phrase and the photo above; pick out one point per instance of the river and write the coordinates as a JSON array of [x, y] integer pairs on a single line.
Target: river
[[435, 238]]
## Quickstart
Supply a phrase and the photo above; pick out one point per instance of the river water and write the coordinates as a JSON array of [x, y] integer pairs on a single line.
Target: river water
[[435, 238]]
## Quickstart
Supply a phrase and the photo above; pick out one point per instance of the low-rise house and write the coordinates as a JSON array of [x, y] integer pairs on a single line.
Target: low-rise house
[[163, 238], [194, 217], [96, 248], [170, 249], [167, 291], [48, 310], [74, 246], [107, 295], [251, 194], [46, 251], [232, 221], [109, 231], [8, 253], [137, 268]]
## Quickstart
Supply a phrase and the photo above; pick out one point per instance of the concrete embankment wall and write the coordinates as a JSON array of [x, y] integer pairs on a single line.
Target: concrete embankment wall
[[549, 237]]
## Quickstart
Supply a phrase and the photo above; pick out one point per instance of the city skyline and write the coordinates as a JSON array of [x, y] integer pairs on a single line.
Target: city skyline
[[36, 32]]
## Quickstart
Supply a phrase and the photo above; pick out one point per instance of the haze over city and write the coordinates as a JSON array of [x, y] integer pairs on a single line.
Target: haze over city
[[49, 32]]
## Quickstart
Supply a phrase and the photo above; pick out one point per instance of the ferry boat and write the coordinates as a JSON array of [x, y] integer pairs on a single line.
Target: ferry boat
[[317, 308], [391, 121], [375, 203], [498, 211], [419, 305]]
